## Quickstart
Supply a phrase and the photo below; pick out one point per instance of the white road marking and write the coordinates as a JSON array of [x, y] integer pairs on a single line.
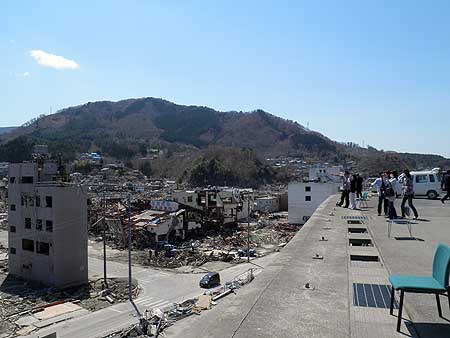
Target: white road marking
[[142, 300], [115, 310]]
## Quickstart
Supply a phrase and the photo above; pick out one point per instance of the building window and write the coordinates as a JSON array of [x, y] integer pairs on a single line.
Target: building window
[[27, 245], [42, 248], [48, 201], [12, 180], [27, 179], [38, 200], [12, 207], [307, 198], [23, 201], [189, 199], [12, 251], [27, 223], [39, 224], [12, 228], [307, 188], [49, 226]]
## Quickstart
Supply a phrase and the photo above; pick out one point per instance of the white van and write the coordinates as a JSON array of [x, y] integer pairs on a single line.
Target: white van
[[426, 183]]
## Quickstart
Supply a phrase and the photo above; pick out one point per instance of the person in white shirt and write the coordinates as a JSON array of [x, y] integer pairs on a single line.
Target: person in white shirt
[[379, 185]]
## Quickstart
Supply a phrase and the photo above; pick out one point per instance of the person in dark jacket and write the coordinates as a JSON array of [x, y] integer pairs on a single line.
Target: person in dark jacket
[[408, 194], [359, 186], [345, 190], [446, 186]]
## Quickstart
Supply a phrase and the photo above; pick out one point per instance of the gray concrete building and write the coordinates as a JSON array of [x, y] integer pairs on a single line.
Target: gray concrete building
[[47, 226]]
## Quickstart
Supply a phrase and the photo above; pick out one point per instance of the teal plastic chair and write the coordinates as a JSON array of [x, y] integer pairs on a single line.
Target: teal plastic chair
[[363, 200], [437, 283]]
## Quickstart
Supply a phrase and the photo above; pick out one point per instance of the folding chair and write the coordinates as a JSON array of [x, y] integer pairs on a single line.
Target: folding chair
[[403, 221]]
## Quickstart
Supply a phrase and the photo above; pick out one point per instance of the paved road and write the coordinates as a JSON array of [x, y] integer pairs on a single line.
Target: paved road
[[159, 288]]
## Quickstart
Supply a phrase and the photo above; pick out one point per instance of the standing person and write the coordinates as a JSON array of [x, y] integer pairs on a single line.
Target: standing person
[[445, 185], [353, 189], [345, 190], [359, 186], [392, 190], [408, 193], [379, 185]]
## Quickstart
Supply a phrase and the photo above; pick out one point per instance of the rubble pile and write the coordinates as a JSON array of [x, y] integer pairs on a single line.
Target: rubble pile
[[154, 321], [19, 298]]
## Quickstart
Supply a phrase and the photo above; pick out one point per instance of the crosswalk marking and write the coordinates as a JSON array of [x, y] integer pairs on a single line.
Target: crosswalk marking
[[142, 300], [115, 310]]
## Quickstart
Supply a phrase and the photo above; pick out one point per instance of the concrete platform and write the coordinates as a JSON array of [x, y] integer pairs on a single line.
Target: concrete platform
[[277, 304]]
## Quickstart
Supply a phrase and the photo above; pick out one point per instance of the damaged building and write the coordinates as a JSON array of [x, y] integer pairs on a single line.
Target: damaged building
[[216, 206], [47, 224]]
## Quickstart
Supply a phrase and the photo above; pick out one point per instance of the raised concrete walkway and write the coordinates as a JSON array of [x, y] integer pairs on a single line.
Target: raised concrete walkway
[[277, 304]]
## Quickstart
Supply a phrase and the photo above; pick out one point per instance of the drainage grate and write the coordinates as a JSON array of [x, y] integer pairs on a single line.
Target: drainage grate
[[355, 217], [372, 295], [364, 258], [357, 230], [359, 242]]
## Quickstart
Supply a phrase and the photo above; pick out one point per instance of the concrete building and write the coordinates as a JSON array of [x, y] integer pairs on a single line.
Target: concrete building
[[305, 197], [323, 172], [47, 222], [215, 206], [267, 204]]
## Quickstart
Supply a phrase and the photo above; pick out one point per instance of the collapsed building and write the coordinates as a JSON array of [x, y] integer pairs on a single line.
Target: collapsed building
[[215, 207]]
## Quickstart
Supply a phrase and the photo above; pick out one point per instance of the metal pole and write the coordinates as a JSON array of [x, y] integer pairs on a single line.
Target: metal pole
[[129, 250], [104, 240], [248, 229]]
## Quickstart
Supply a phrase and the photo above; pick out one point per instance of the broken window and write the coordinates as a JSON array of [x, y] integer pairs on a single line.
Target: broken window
[[23, 200], [48, 201], [39, 224], [12, 207], [12, 228], [38, 200], [27, 179], [31, 201], [12, 251], [42, 248], [27, 245], [27, 223], [189, 199], [49, 226], [12, 180], [307, 198]]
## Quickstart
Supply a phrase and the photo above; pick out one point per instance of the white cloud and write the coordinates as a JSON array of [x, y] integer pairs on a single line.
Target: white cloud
[[53, 61], [26, 74]]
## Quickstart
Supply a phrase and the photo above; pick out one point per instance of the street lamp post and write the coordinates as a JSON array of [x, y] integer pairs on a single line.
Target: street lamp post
[[129, 250], [248, 228], [104, 240]]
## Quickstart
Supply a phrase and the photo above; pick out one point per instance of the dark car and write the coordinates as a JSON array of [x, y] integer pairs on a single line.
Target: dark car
[[210, 280]]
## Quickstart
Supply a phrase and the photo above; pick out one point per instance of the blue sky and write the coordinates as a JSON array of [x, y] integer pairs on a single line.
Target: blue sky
[[377, 71]]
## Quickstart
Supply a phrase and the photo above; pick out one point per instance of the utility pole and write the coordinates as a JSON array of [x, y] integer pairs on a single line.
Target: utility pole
[[104, 240], [248, 228], [129, 251]]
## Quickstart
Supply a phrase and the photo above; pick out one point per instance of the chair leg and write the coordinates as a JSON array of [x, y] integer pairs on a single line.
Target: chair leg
[[400, 310], [392, 300], [438, 301]]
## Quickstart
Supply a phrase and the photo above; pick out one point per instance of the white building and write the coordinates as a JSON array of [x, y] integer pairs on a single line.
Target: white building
[[305, 197], [325, 173], [47, 222]]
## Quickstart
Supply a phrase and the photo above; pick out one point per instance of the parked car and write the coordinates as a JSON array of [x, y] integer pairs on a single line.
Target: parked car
[[243, 252], [426, 183], [211, 279]]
